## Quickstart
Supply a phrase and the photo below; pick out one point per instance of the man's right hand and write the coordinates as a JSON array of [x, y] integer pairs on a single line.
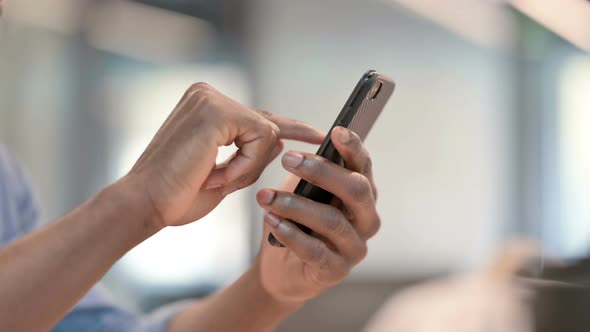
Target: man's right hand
[[177, 173], [174, 182]]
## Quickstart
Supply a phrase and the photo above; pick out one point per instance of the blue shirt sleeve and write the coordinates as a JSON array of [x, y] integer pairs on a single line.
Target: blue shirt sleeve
[[19, 215], [18, 209], [97, 313]]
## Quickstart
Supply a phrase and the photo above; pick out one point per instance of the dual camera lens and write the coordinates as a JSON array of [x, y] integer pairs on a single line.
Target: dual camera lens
[[375, 90]]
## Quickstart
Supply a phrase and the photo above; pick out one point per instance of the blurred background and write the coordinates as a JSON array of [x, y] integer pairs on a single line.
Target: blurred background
[[484, 139]]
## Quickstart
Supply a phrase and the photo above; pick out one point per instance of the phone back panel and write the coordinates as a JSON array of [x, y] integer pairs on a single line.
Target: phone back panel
[[370, 108]]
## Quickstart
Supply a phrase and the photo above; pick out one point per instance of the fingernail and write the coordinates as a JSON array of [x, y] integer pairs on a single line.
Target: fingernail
[[272, 220], [265, 196], [292, 159], [342, 134], [338, 134]]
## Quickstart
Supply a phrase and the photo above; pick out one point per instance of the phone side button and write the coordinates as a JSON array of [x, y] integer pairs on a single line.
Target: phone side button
[[342, 121]]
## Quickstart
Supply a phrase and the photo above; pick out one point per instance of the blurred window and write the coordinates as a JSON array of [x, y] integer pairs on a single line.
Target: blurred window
[[574, 155], [211, 252]]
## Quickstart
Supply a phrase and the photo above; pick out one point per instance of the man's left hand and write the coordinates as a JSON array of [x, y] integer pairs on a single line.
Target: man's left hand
[[311, 263]]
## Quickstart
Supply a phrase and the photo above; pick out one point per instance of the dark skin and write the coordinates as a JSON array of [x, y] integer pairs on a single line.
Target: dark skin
[[341, 231]]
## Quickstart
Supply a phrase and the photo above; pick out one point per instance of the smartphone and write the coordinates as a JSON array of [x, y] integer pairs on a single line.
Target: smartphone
[[358, 114]]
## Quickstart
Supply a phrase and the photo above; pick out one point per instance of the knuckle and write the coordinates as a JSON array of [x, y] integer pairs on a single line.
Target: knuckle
[[202, 102], [367, 165], [264, 113], [358, 253], [247, 120], [335, 223], [197, 89], [316, 251], [314, 165], [204, 96], [362, 251], [205, 102], [287, 233], [342, 270], [360, 188], [273, 133], [199, 86], [288, 202], [375, 226], [267, 129], [202, 92]]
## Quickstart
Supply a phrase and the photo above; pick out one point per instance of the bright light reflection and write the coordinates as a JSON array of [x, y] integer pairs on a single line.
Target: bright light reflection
[[574, 106]]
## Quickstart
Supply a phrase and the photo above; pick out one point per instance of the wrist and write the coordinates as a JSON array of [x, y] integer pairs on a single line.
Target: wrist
[[127, 197], [243, 306], [285, 304]]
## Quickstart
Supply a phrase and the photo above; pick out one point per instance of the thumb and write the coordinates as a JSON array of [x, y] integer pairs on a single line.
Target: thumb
[[219, 175]]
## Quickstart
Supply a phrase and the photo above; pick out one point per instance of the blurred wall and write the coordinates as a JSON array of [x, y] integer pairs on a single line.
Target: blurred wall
[[442, 149], [79, 105], [39, 114], [460, 146]]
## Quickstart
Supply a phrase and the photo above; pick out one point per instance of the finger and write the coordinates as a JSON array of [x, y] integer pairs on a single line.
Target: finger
[[276, 151], [309, 249], [218, 175], [352, 188], [295, 129], [325, 220], [274, 154], [256, 137], [256, 145], [355, 155]]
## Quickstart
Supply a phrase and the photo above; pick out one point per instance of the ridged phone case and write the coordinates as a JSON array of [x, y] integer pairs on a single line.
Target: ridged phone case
[[358, 114]]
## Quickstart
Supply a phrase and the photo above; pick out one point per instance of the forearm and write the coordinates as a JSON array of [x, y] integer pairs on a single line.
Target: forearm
[[243, 306], [44, 274]]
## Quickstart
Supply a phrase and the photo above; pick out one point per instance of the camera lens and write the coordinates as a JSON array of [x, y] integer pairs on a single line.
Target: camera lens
[[375, 90]]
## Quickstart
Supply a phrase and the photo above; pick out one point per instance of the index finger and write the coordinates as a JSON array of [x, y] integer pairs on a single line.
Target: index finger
[[294, 129], [355, 155]]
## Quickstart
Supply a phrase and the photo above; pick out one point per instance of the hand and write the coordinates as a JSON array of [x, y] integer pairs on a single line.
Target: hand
[[177, 172], [311, 263]]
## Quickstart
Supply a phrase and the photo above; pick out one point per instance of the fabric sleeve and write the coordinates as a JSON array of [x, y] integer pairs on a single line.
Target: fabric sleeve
[[96, 312]]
